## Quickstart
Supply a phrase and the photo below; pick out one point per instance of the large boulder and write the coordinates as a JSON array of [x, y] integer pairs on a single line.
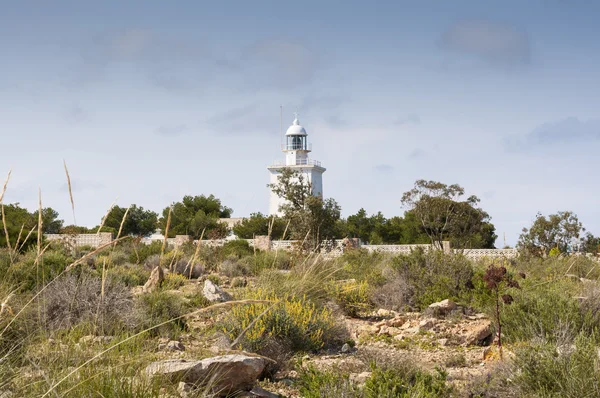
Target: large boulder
[[226, 374], [478, 333], [443, 307], [157, 276], [214, 293]]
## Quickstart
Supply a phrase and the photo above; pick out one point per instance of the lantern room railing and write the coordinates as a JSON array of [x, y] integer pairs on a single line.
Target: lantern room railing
[[299, 162]]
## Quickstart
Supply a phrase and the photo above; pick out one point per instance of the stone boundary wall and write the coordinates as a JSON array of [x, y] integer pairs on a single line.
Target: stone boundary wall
[[78, 240], [488, 253]]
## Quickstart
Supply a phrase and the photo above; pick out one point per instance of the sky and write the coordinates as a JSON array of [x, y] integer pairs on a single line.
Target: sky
[[148, 101]]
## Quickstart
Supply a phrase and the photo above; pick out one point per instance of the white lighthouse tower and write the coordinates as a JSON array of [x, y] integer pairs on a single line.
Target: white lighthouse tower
[[296, 149]]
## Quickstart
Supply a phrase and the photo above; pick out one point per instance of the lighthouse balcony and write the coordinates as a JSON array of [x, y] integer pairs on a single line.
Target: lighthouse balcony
[[299, 162]]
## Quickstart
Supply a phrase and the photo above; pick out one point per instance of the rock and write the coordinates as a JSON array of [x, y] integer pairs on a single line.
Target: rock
[[443, 342], [226, 374], [427, 324], [383, 312], [157, 276], [360, 378], [184, 389], [443, 307], [476, 334], [396, 322], [383, 330], [393, 331], [346, 348], [175, 345], [261, 393], [214, 293]]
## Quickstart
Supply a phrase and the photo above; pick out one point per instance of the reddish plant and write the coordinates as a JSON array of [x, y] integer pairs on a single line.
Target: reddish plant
[[498, 280]]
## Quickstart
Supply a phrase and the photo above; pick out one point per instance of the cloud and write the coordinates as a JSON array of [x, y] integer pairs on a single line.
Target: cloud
[[164, 61], [408, 119], [172, 130], [417, 153], [81, 185], [384, 168], [569, 131], [237, 120], [498, 44], [278, 63], [76, 114]]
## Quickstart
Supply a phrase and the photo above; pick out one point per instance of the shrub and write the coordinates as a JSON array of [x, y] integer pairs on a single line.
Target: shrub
[[433, 276], [352, 297], [71, 300], [266, 260], [395, 294], [232, 267], [237, 248], [184, 268], [405, 381], [174, 281], [161, 306], [142, 251], [317, 384], [408, 382], [554, 371], [295, 323], [543, 312], [130, 275]]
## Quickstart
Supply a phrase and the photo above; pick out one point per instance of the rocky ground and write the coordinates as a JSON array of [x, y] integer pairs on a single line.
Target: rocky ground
[[444, 336]]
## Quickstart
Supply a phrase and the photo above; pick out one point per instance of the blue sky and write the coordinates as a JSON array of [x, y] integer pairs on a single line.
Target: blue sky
[[150, 100]]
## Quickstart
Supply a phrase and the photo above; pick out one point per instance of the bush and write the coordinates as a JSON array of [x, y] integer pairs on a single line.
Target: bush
[[408, 382], [352, 297], [317, 384], [238, 248], [142, 251], [295, 323], [184, 268], [71, 300], [395, 294], [158, 307], [544, 312], [174, 281], [266, 260], [405, 381], [130, 275], [232, 267], [433, 276], [554, 371]]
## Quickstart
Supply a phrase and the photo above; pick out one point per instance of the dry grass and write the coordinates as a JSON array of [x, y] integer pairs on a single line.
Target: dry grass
[[70, 191]]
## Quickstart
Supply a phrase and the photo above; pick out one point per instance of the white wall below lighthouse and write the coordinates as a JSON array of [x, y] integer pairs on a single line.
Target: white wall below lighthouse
[[312, 174]]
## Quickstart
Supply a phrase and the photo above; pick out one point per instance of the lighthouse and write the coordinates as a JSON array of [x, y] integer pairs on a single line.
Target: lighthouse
[[296, 149]]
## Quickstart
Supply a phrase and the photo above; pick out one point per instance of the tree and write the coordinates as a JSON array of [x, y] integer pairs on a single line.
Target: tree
[[311, 218], [560, 231], [259, 224], [50, 222], [443, 216], [590, 244], [195, 214], [19, 221], [139, 222]]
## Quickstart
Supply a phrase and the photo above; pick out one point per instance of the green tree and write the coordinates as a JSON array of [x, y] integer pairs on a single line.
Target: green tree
[[311, 218], [590, 244], [443, 216], [561, 230], [195, 214], [139, 222], [19, 221], [51, 224], [259, 224]]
